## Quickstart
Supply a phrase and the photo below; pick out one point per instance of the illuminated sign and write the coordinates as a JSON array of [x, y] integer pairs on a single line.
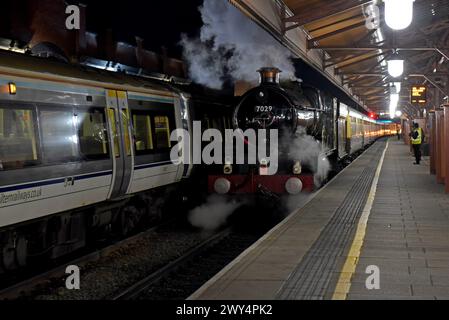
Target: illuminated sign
[[419, 95]]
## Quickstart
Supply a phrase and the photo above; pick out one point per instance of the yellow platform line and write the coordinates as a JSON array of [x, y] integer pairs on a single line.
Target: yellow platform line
[[344, 282]]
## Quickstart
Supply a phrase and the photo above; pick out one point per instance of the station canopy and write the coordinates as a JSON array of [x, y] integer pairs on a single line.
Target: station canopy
[[360, 54]]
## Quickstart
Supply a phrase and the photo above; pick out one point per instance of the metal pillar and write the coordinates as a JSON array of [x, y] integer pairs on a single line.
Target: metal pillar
[[446, 145], [432, 120], [440, 167]]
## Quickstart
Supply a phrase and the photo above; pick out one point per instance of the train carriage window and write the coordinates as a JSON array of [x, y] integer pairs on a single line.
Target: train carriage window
[[142, 132], [92, 134], [59, 139], [162, 129], [18, 146]]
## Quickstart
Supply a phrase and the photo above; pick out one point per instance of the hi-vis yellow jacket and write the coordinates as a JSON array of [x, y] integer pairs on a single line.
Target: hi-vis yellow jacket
[[418, 139]]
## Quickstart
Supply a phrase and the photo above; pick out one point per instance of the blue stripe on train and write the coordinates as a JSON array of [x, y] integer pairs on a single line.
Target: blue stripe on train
[[152, 165], [54, 181], [77, 178]]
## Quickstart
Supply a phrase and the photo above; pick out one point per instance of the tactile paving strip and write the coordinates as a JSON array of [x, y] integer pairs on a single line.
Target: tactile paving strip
[[312, 278]]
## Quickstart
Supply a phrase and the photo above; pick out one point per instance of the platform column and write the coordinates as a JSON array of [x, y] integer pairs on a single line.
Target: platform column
[[439, 146], [446, 145], [432, 120]]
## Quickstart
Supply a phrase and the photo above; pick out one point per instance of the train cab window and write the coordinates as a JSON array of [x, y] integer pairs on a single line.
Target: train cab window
[[143, 133], [18, 146], [59, 139], [313, 96], [92, 134], [162, 129]]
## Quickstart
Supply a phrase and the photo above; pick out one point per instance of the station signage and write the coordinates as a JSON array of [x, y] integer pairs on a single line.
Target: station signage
[[419, 95]]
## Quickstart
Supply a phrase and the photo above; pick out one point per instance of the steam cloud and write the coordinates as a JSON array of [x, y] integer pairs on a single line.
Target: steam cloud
[[231, 46], [213, 214], [308, 151]]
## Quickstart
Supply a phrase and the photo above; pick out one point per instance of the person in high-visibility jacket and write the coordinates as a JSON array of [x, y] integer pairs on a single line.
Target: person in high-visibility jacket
[[417, 139]]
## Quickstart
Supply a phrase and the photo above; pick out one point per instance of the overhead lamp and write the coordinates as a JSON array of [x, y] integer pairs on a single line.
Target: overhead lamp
[[398, 13], [398, 114], [398, 86], [396, 66], [394, 101]]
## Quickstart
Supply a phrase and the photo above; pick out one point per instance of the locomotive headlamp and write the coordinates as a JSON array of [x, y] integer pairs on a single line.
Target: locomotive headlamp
[[227, 169], [297, 168], [263, 168], [12, 88]]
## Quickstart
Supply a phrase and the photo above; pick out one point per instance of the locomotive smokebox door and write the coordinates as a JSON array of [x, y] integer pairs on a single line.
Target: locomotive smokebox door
[[267, 106]]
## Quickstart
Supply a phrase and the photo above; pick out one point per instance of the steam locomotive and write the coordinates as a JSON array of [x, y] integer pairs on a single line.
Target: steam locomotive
[[316, 130]]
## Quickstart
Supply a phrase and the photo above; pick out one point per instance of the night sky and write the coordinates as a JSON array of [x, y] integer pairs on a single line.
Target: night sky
[[159, 22]]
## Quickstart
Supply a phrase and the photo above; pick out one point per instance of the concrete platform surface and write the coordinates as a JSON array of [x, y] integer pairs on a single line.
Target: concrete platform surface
[[326, 250]]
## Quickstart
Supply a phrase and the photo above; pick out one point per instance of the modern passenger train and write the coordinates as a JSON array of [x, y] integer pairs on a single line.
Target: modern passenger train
[[84, 152]]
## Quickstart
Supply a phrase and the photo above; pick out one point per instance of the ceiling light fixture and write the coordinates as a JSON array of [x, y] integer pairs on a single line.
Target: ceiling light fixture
[[396, 66], [398, 13]]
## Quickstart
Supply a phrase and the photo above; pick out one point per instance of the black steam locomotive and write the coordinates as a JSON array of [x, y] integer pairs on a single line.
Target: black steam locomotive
[[315, 130]]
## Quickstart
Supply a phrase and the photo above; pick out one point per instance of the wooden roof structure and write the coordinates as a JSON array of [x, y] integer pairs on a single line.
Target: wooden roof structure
[[359, 53]]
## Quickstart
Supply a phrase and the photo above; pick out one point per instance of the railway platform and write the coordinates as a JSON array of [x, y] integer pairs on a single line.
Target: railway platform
[[379, 230]]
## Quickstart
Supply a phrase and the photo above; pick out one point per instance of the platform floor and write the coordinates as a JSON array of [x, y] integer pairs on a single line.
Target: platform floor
[[324, 249]]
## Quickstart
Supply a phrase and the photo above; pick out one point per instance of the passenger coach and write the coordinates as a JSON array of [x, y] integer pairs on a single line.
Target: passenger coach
[[74, 137]]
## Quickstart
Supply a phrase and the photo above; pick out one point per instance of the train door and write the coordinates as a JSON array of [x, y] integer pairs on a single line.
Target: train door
[[349, 136], [120, 124]]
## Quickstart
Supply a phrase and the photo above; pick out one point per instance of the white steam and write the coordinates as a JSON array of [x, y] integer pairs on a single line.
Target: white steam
[[214, 213], [231, 46], [310, 153]]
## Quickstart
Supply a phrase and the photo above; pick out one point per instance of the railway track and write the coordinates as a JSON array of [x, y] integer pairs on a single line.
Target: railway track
[[146, 283], [182, 277], [24, 287]]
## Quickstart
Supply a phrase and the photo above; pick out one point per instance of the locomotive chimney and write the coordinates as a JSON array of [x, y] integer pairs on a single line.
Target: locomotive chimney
[[269, 75]]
